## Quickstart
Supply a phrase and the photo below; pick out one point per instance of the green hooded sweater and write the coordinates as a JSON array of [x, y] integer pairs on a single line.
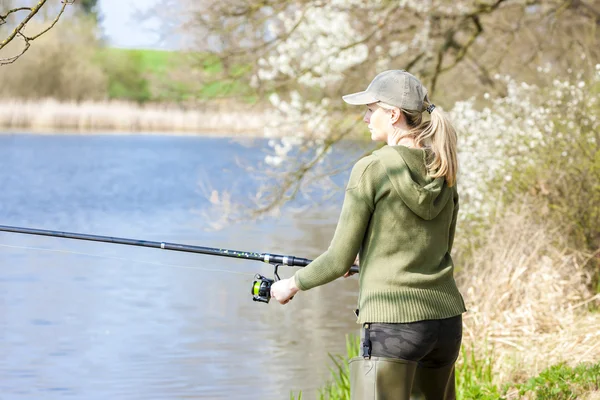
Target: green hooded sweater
[[401, 222]]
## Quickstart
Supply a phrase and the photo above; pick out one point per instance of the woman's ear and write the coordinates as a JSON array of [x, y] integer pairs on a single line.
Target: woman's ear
[[395, 116]]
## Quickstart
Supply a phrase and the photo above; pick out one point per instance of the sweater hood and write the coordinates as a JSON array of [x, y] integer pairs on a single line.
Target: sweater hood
[[407, 171]]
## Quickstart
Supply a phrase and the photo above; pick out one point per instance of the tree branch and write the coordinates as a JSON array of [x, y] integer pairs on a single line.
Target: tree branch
[[3, 17], [62, 10], [491, 36], [17, 32], [34, 10]]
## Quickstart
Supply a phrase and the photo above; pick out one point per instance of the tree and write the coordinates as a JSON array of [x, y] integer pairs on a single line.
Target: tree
[[90, 7], [18, 31], [303, 55]]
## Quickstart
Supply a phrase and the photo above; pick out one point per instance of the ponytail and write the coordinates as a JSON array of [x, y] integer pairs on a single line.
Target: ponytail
[[438, 134], [441, 135]]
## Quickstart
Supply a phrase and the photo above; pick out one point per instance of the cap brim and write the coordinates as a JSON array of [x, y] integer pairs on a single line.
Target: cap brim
[[360, 98]]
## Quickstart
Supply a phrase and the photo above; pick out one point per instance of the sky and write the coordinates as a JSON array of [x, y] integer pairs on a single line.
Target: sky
[[123, 26]]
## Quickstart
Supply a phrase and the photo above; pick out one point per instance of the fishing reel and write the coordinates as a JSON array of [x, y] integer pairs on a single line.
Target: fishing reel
[[261, 287]]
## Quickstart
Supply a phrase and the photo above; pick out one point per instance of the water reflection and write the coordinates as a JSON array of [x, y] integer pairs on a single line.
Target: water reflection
[[128, 323]]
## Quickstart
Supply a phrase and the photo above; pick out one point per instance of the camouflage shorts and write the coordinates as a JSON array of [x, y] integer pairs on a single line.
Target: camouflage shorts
[[432, 343]]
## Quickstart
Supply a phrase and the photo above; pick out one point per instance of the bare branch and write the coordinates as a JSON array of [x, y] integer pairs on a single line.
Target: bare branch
[[62, 10], [10, 60], [17, 32], [3, 17], [34, 10]]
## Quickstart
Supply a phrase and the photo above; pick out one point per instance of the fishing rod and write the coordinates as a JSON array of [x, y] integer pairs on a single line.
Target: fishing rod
[[261, 286]]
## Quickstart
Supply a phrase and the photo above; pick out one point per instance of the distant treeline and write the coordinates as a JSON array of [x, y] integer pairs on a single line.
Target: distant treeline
[[71, 63]]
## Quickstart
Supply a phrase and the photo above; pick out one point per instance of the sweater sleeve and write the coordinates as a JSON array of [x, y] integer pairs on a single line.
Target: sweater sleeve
[[453, 223], [347, 239]]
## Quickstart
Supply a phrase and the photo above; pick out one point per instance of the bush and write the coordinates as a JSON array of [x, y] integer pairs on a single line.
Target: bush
[[60, 64], [542, 142], [127, 78], [563, 169]]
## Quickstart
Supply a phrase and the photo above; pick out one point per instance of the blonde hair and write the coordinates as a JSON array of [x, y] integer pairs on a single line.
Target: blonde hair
[[436, 133]]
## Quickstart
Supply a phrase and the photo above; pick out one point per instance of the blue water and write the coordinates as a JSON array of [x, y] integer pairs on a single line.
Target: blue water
[[89, 320]]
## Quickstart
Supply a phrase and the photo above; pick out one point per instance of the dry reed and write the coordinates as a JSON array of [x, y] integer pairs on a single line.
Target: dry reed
[[88, 116], [528, 296]]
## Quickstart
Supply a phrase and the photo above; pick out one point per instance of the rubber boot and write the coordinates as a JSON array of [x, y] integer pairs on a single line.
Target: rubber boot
[[379, 378], [434, 383]]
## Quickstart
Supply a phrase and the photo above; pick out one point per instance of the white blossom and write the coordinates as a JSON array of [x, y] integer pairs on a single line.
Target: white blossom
[[493, 140]]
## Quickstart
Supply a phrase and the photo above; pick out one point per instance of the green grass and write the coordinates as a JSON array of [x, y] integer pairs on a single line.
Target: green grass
[[150, 61], [233, 85], [338, 386], [475, 379], [132, 72], [563, 382]]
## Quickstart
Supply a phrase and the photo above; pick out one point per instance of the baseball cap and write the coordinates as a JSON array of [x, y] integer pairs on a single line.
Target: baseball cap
[[395, 87]]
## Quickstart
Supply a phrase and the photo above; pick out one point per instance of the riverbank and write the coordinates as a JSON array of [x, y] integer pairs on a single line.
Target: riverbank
[[532, 330], [50, 116]]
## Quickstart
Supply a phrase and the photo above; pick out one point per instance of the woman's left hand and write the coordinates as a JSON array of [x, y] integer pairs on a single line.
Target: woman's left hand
[[284, 289]]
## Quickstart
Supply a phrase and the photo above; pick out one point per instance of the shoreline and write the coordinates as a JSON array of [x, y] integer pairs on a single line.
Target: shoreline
[[226, 134], [52, 117]]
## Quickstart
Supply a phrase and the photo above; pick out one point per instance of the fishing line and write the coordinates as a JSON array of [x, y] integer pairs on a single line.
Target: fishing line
[[126, 259], [261, 286]]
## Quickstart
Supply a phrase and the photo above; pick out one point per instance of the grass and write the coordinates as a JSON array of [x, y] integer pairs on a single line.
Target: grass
[[170, 76], [475, 376], [562, 382], [338, 385], [151, 61], [132, 73]]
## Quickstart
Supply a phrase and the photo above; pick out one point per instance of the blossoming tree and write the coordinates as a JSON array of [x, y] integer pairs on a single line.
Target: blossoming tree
[[303, 55]]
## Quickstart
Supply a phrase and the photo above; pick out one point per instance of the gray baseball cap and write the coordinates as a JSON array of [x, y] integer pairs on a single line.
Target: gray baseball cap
[[395, 87]]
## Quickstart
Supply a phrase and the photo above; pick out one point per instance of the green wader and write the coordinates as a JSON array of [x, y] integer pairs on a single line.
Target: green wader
[[378, 378], [382, 378]]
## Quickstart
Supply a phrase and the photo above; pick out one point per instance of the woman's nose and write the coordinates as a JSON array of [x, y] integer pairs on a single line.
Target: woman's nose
[[366, 119]]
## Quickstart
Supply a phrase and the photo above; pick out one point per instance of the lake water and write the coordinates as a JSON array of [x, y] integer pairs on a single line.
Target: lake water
[[102, 321]]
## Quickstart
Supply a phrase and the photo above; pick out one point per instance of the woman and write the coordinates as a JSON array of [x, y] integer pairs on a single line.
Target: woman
[[399, 213]]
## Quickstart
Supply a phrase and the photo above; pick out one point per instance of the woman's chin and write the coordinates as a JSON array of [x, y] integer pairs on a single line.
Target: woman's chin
[[375, 137]]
